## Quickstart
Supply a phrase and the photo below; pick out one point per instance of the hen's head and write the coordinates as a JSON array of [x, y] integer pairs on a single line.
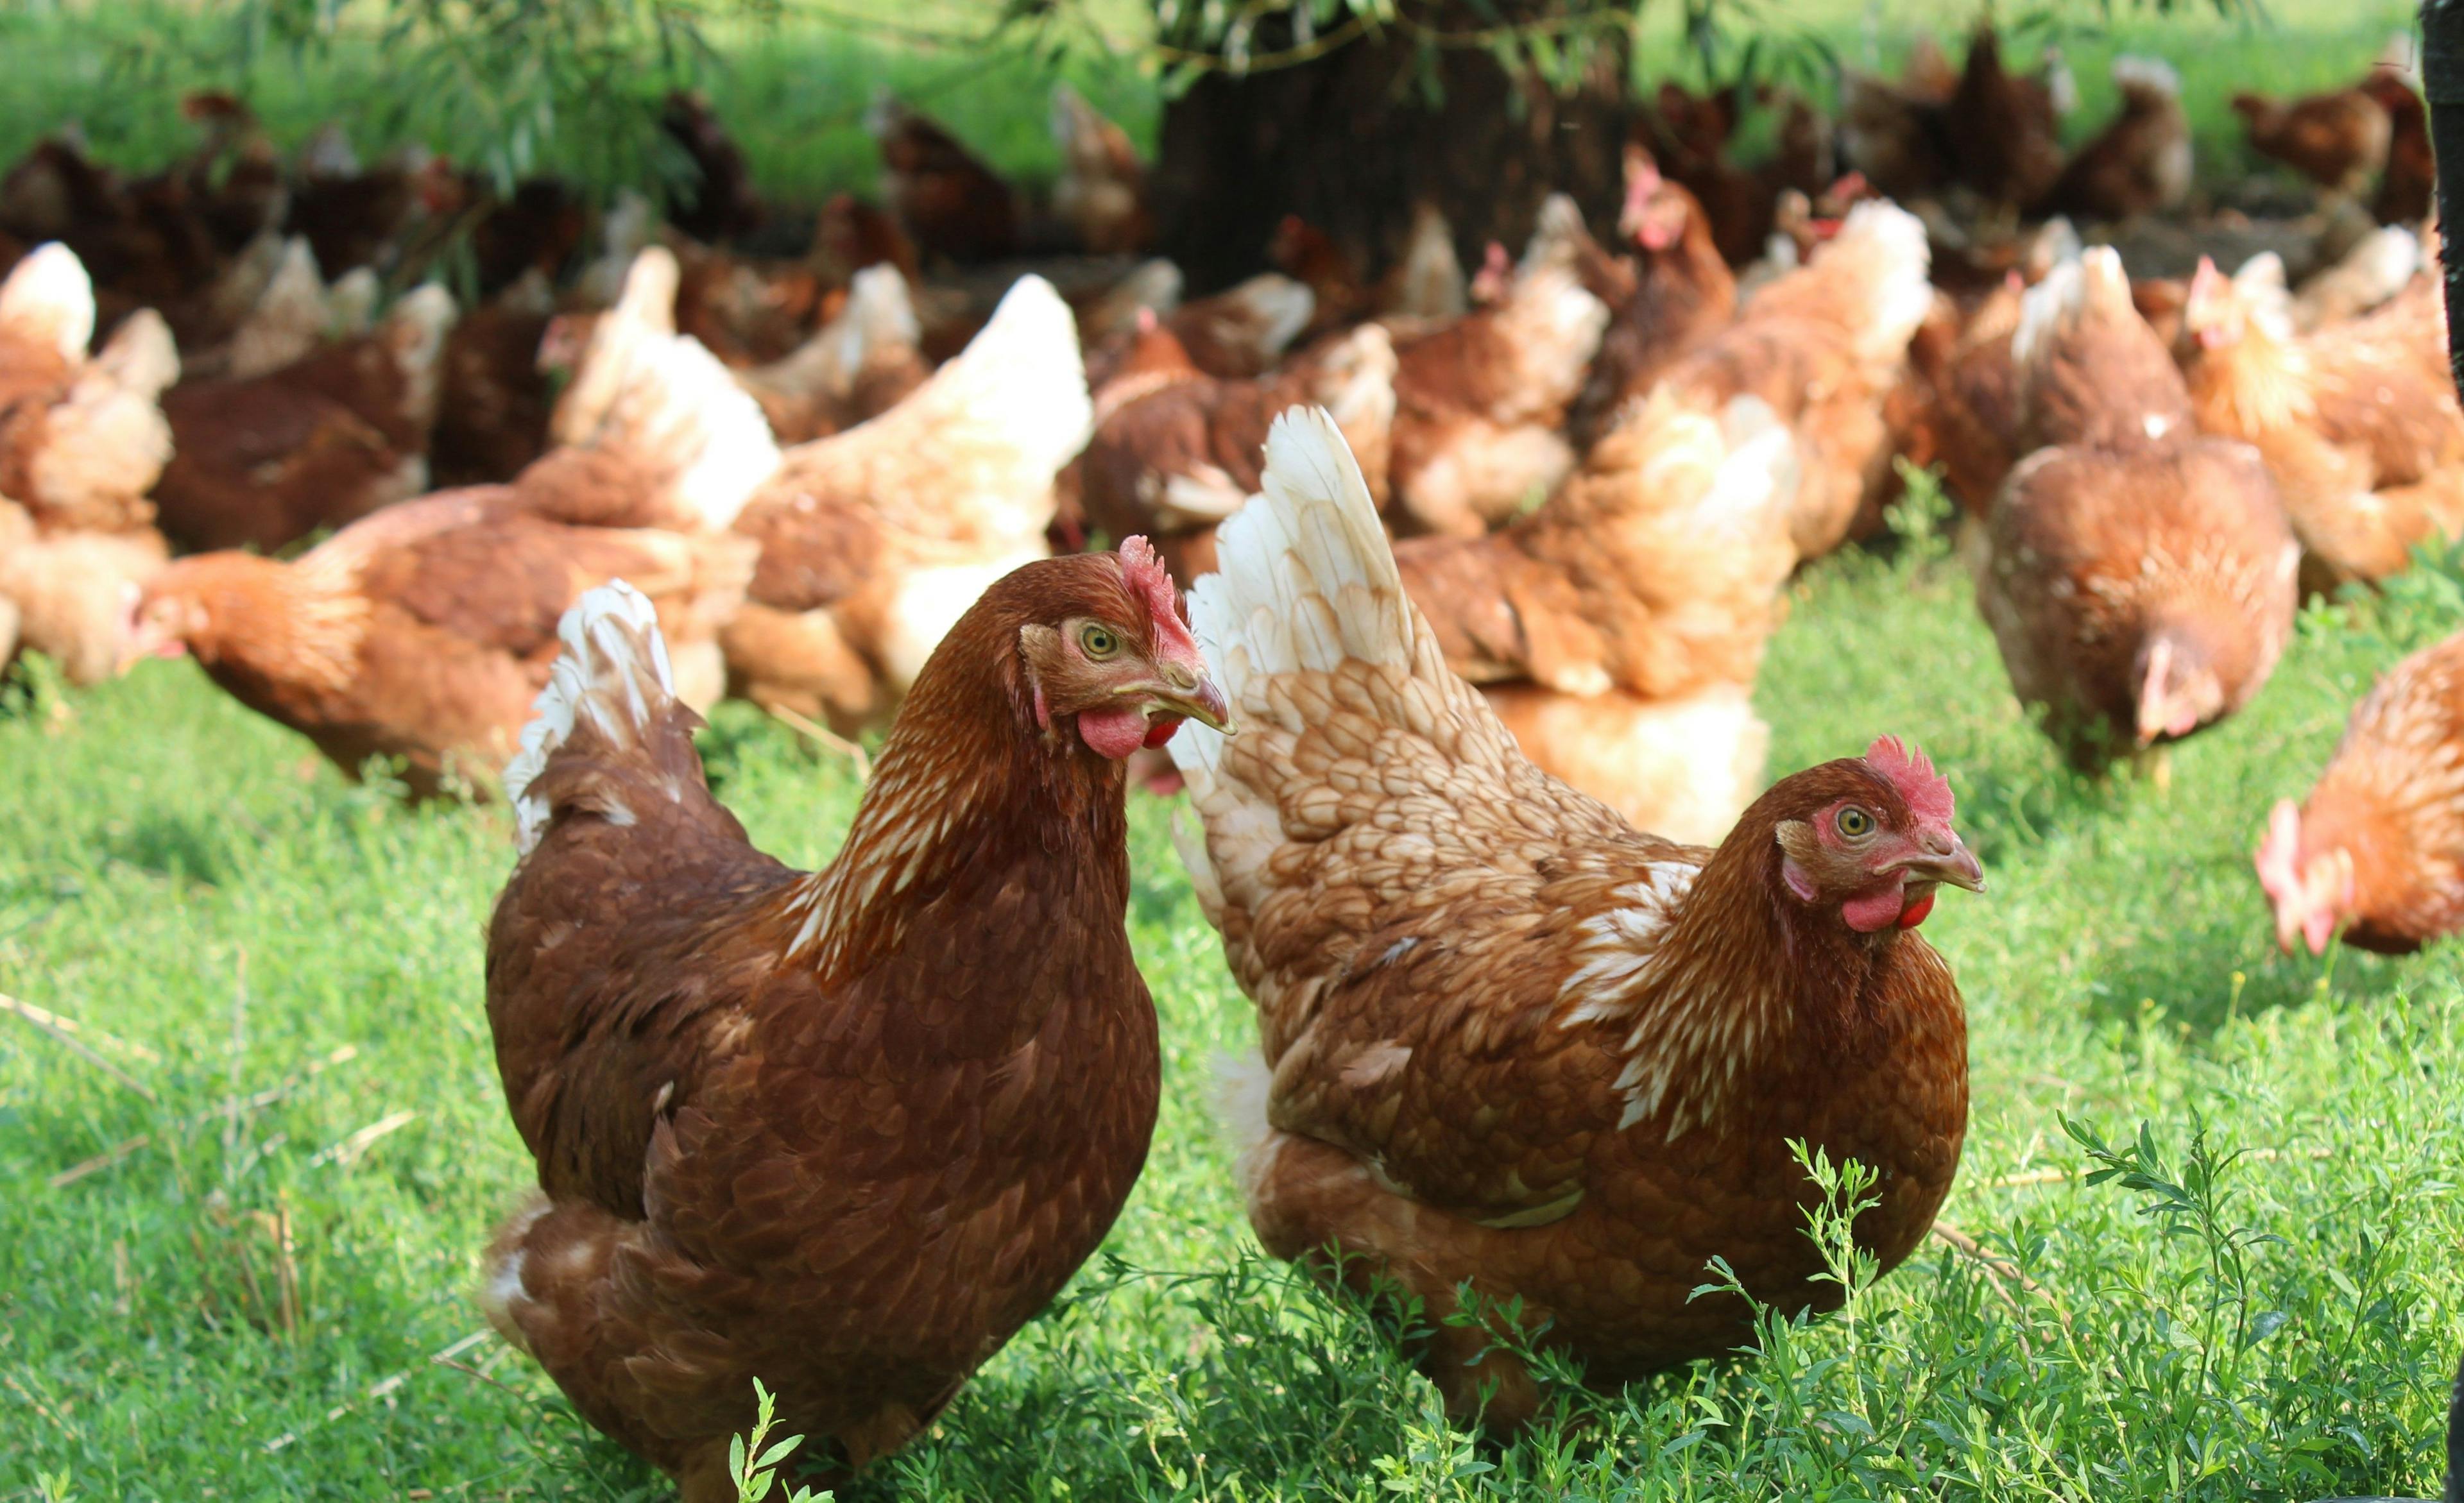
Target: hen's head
[[2179, 689], [2312, 892], [1656, 211], [1870, 838], [2220, 312], [1108, 659]]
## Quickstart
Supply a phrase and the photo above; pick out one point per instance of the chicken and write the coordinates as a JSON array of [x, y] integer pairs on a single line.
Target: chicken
[[1245, 330], [82, 438], [1480, 406], [716, 202], [492, 396], [146, 242], [293, 313], [1102, 195], [1176, 451], [745, 312], [949, 203], [2411, 172], [1894, 131], [2376, 852], [1426, 286], [2337, 139], [2141, 163], [1969, 425], [1692, 135], [325, 440], [420, 633], [2379, 266], [846, 1130], [1511, 1040], [2002, 129], [2358, 422], [1684, 294], [536, 232], [852, 235], [70, 594], [876, 540], [857, 366], [355, 218], [1616, 630], [1424, 283], [2138, 575], [1822, 345]]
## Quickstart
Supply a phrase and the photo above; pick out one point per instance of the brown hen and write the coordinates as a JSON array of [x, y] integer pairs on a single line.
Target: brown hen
[[877, 538], [2376, 852], [2338, 140], [420, 633], [263, 461], [2139, 577], [844, 1131], [2358, 421], [1480, 405], [1508, 1039]]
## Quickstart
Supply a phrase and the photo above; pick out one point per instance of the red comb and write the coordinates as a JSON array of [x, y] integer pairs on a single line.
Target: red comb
[[1912, 771], [1147, 576]]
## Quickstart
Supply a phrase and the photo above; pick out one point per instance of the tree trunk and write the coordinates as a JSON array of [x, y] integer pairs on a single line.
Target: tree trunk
[[1352, 140], [2442, 79]]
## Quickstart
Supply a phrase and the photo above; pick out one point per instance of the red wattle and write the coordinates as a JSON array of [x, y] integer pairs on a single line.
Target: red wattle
[[1159, 729], [1916, 912], [1114, 732]]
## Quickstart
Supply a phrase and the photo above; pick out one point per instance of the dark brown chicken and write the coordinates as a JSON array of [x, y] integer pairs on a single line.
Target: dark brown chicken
[[844, 1131], [2336, 139], [2003, 129], [717, 201], [264, 461], [2412, 169], [949, 202], [2138, 576], [2138, 164], [1509, 1040]]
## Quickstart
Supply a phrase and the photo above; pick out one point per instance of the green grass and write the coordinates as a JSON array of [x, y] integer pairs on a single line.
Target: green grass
[[174, 873]]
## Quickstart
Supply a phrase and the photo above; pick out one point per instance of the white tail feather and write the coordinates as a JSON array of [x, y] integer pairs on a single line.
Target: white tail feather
[[49, 298], [2153, 75], [1307, 579], [613, 670]]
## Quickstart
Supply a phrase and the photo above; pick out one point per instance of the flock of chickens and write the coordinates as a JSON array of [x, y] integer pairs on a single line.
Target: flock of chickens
[[1481, 572]]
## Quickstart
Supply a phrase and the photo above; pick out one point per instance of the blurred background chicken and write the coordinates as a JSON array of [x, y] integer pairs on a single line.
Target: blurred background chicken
[[2376, 853], [1480, 405], [2337, 139], [418, 635], [2140, 164], [82, 440], [2139, 577], [2358, 421], [874, 540], [262, 461]]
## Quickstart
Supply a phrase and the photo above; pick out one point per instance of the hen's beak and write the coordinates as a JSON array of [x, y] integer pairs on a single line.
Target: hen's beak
[[1957, 866], [1190, 693]]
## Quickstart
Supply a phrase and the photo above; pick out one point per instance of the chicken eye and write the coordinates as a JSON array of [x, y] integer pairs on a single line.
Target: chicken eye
[[1855, 823], [1098, 641]]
